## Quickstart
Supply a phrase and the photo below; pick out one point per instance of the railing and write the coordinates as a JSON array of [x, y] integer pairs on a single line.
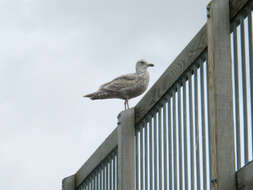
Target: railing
[[194, 128], [173, 147], [242, 61], [104, 176]]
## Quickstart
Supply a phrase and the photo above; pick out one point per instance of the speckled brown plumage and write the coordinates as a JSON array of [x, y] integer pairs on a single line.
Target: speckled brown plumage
[[126, 86]]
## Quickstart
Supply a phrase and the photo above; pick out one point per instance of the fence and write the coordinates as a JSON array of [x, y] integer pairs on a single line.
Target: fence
[[194, 128]]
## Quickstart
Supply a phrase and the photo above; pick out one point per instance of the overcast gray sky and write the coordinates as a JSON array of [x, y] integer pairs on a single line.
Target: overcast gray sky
[[54, 51]]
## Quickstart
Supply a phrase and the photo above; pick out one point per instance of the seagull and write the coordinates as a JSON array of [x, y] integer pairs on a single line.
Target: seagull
[[125, 86]]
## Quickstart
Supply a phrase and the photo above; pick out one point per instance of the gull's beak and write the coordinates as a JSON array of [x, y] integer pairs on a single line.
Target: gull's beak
[[150, 65]]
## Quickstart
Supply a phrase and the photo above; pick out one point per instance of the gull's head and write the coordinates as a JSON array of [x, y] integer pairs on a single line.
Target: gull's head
[[142, 65]]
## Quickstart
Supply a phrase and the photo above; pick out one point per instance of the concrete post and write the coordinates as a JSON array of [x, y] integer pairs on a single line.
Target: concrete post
[[68, 183], [126, 139], [220, 96]]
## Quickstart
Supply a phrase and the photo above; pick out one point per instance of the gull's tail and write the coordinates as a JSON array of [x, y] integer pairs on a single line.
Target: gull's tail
[[97, 95]]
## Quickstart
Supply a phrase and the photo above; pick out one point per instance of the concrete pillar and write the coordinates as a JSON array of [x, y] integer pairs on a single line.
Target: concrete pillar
[[126, 151], [68, 183], [220, 96]]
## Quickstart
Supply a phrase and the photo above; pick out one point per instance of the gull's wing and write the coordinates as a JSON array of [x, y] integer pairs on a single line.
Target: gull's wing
[[119, 83]]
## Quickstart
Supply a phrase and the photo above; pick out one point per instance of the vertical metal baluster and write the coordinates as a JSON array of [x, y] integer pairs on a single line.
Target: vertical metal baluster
[[175, 140], [180, 153], [104, 177], [93, 183], [146, 154], [208, 123], [97, 180], [150, 155], [101, 181], [202, 101], [170, 143], [155, 151], [110, 175], [192, 175], [141, 157], [251, 69], [114, 180], [137, 157], [117, 171], [160, 147], [244, 91], [165, 147], [196, 126], [236, 97], [185, 137]]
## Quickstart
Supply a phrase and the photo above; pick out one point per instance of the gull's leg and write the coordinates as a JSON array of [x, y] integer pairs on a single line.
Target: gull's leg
[[125, 104]]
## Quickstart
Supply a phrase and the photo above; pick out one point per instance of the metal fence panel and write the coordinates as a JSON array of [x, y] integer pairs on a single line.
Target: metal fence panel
[[172, 144]]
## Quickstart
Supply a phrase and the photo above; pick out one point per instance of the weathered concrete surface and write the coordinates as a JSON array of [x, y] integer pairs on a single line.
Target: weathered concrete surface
[[244, 177], [220, 96], [68, 183], [126, 140]]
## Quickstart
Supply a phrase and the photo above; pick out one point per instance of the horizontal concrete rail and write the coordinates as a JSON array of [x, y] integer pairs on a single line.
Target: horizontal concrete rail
[[99, 155], [244, 177], [236, 6]]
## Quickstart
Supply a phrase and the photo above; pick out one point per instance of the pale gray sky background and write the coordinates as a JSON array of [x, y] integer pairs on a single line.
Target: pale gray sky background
[[54, 51]]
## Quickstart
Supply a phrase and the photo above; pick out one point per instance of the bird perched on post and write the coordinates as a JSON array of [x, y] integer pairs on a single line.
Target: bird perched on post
[[125, 86]]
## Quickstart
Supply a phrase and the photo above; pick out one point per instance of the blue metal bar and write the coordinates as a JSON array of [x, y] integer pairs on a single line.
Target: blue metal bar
[[146, 154], [141, 158], [180, 155], [100, 181], [114, 171], [97, 180], [236, 97], [150, 156], [170, 143], [208, 124], [93, 183], [251, 68], [244, 91], [155, 151], [192, 175], [110, 174], [197, 167], [107, 176], [117, 169], [160, 147], [185, 137], [174, 140], [165, 147], [202, 102], [137, 158], [104, 178]]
